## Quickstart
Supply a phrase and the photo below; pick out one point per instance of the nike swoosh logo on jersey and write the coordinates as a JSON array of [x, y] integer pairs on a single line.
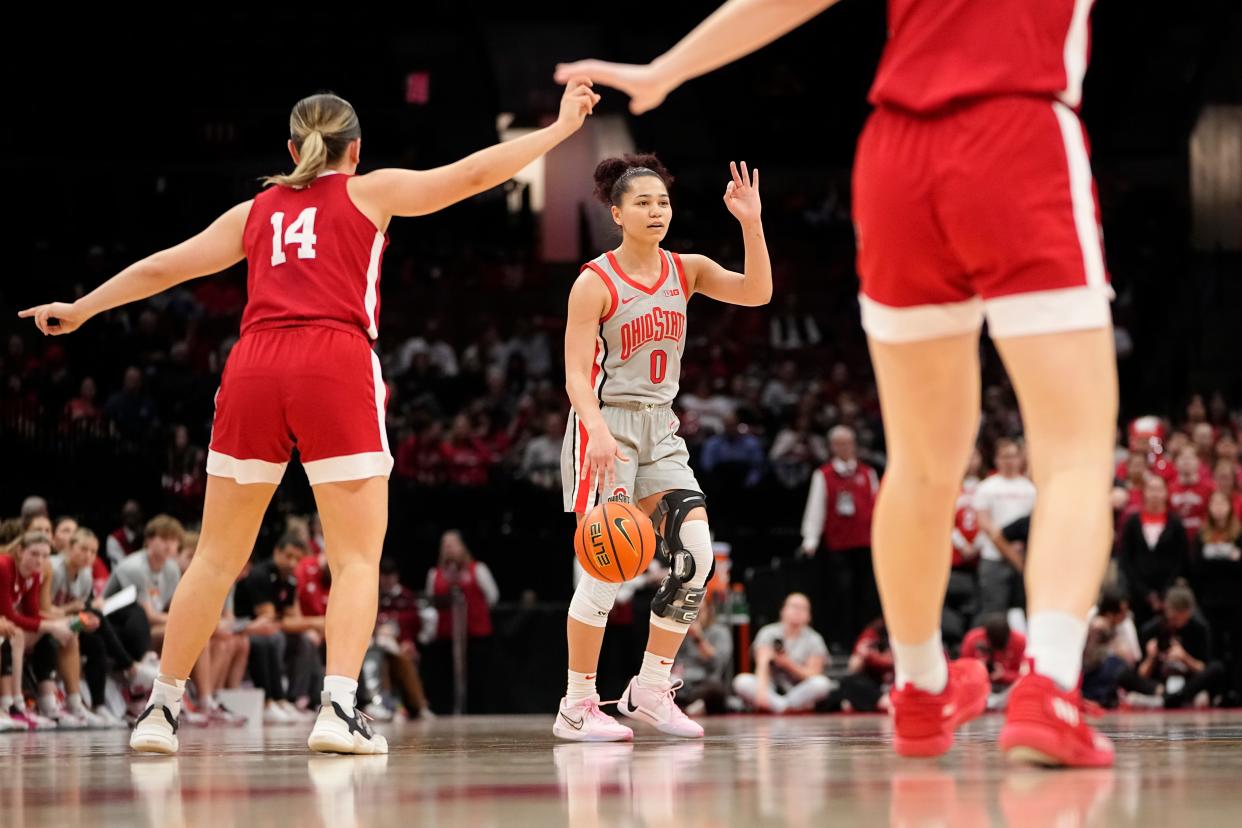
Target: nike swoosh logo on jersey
[[627, 301], [576, 725]]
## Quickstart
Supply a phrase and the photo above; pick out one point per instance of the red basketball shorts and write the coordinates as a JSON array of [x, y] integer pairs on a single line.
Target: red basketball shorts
[[317, 387], [987, 210]]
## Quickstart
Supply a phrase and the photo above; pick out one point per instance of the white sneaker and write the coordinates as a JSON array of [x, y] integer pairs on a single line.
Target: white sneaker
[[657, 708], [295, 713], [379, 712], [585, 722], [145, 674], [274, 714], [109, 720], [155, 731], [69, 720], [192, 718], [7, 725], [334, 732], [218, 714]]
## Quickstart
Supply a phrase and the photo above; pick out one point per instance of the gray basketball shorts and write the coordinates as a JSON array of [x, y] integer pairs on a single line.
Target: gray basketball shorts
[[658, 458]]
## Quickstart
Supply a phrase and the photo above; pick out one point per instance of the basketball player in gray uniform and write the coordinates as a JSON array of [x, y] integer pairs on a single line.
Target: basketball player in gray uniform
[[623, 342]]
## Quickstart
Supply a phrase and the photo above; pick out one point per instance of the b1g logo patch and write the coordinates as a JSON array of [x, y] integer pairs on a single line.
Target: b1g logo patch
[[596, 532]]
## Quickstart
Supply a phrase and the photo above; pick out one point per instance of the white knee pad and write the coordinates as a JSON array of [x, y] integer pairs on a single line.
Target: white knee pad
[[593, 601], [696, 538]]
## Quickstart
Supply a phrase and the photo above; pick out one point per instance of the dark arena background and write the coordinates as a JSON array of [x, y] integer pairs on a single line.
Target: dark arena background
[[123, 136]]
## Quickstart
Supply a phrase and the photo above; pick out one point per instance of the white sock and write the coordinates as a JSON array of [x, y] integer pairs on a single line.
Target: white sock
[[657, 671], [47, 704], [342, 691], [922, 665], [580, 686], [167, 692], [6, 704], [74, 702], [1054, 644]]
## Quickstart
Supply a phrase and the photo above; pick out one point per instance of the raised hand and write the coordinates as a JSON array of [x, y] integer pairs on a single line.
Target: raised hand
[[578, 101], [640, 81], [55, 318], [742, 194]]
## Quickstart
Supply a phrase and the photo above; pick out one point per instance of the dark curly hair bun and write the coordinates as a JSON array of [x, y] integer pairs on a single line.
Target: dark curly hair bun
[[613, 175]]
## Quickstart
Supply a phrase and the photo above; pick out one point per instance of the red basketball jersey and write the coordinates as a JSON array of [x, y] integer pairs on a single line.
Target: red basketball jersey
[[312, 255], [943, 51]]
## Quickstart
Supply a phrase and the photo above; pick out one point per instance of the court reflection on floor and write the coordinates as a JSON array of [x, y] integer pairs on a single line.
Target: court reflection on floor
[[1177, 768]]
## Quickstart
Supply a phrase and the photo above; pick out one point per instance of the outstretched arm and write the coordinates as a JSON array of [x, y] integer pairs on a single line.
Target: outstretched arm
[[754, 287], [736, 29], [398, 192], [217, 248]]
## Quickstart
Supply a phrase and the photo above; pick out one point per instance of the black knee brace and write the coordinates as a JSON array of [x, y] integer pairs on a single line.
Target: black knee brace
[[672, 599]]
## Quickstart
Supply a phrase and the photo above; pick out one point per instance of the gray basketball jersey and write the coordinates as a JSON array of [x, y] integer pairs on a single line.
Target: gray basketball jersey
[[640, 340]]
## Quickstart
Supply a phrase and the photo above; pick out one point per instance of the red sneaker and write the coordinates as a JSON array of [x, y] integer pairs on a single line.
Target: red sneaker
[[1046, 725], [923, 723]]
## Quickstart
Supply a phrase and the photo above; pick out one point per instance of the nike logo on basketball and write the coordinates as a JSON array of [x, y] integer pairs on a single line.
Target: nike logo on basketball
[[620, 524], [576, 725]]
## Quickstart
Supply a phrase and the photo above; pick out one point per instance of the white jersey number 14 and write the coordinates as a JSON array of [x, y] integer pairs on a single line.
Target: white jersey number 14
[[301, 233]]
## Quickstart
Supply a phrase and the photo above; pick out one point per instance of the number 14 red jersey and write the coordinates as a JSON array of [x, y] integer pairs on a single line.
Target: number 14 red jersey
[[312, 255]]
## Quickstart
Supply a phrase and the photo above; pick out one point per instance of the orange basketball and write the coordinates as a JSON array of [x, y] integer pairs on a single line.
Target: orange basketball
[[615, 542]]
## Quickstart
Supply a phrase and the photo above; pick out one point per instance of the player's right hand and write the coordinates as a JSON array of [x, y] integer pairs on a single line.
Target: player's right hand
[[578, 102], [602, 455], [55, 318], [642, 82]]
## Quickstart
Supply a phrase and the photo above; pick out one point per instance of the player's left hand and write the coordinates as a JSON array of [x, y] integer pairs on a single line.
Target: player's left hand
[[55, 318], [742, 194], [641, 82]]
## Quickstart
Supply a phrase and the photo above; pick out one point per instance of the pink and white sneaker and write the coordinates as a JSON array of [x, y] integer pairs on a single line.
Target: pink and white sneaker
[[585, 722], [31, 719], [657, 708]]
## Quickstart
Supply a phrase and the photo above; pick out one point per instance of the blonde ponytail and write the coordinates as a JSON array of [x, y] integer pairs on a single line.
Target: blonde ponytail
[[321, 128]]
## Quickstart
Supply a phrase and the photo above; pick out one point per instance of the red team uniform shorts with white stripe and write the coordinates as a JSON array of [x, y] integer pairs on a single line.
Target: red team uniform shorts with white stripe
[[316, 387], [985, 208]]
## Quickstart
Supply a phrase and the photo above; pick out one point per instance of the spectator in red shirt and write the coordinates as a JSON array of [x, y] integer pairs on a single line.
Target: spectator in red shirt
[[459, 573], [1203, 439], [1128, 489], [1001, 649], [82, 411], [1188, 495], [1225, 479], [870, 674], [466, 458], [1146, 436], [21, 582], [836, 534], [314, 582]]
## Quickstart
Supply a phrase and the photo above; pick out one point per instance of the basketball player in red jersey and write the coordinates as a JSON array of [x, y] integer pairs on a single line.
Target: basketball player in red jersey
[[303, 372], [973, 199], [624, 336]]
